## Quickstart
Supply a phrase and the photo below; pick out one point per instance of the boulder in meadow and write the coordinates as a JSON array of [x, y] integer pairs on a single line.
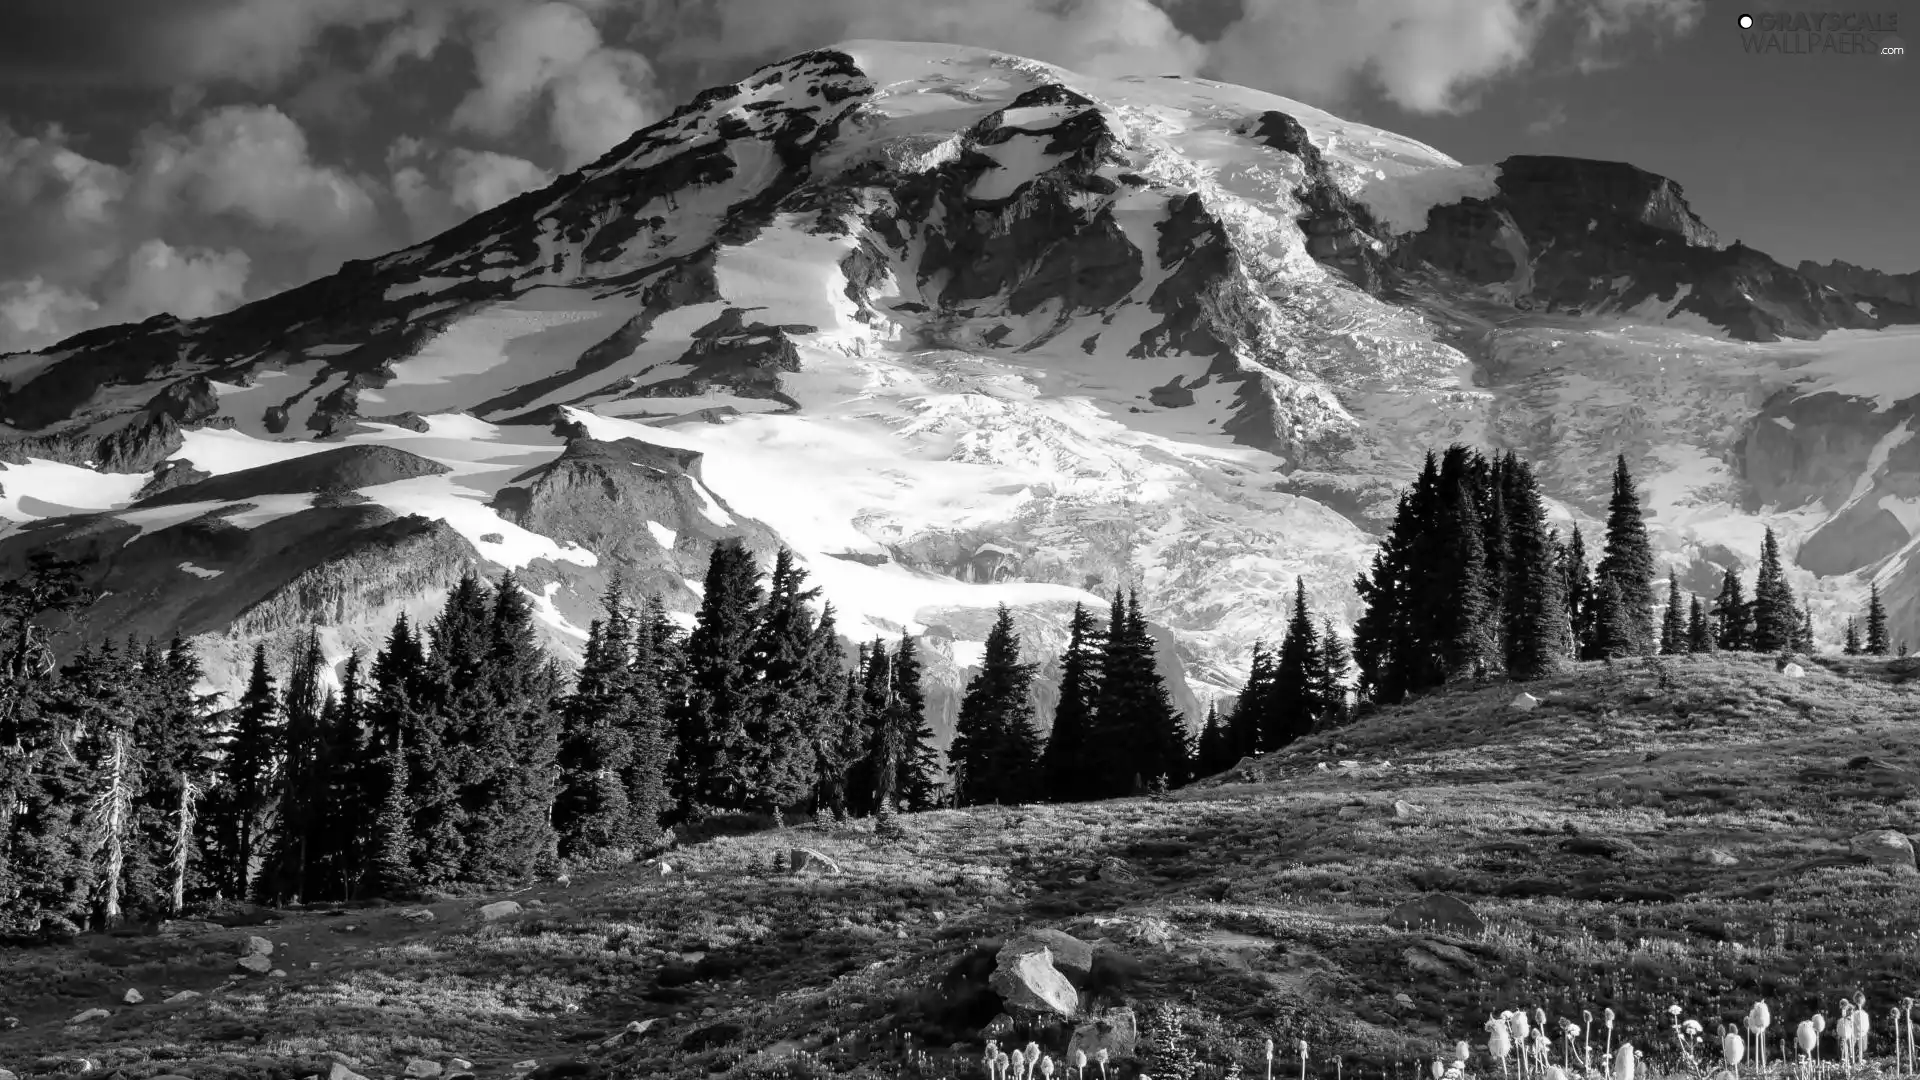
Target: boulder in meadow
[[1793, 671], [1713, 856], [1116, 1031], [1524, 702], [1885, 847], [1437, 911], [1029, 984], [133, 996], [418, 915], [802, 859], [498, 910], [422, 1069], [340, 1071], [1071, 956], [1406, 811], [255, 945], [181, 998], [90, 1016], [255, 964]]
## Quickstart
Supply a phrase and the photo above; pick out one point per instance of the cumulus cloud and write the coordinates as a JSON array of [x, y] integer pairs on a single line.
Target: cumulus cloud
[[254, 162], [437, 189], [186, 283], [597, 95]]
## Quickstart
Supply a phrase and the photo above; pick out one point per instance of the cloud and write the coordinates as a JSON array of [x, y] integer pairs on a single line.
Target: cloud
[[187, 283], [36, 312], [253, 162], [438, 189], [597, 95]]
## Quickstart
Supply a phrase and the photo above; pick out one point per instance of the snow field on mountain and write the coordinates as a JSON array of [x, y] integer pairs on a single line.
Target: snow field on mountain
[[1881, 365], [41, 489], [1401, 202], [498, 348]]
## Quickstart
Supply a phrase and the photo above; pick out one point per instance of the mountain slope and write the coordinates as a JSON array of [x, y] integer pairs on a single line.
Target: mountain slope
[[964, 329]]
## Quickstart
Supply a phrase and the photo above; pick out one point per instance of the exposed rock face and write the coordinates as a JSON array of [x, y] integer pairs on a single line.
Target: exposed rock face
[[1025, 978], [1116, 1031], [1437, 911], [1885, 847], [1862, 283]]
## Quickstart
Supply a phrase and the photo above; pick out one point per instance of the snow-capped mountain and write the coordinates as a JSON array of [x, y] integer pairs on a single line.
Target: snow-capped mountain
[[965, 329]]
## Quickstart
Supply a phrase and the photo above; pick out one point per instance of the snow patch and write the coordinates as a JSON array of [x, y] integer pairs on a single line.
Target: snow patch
[[40, 489], [662, 535], [1401, 203], [200, 572]]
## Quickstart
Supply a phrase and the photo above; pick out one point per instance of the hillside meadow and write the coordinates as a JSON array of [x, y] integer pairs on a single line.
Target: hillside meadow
[[1655, 832]]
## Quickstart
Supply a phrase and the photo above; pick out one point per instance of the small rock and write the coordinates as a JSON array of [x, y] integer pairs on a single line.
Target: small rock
[[1348, 763], [419, 915], [181, 998], [661, 868], [133, 996], [1794, 671], [339, 1071], [1403, 998], [1437, 911], [498, 910], [1406, 811], [1524, 702], [257, 964], [277, 973], [422, 1069], [527, 1064], [256, 946], [1714, 856], [1886, 847], [90, 1016], [939, 916], [179, 927], [802, 859], [459, 1064], [1116, 1032]]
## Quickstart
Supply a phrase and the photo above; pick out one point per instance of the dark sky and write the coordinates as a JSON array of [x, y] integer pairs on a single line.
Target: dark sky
[[188, 155]]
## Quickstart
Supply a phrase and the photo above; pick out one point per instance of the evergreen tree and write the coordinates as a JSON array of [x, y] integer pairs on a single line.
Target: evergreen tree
[[1614, 629], [175, 731], [592, 815], [1138, 737], [1331, 686], [1579, 590], [97, 700], [1393, 639], [1215, 756], [1063, 764], [1629, 562], [1877, 639], [1732, 615], [1243, 725], [1299, 671], [1776, 616], [301, 812], [1465, 629], [652, 692], [774, 754], [1850, 643], [1700, 632], [884, 749], [1535, 615], [918, 777], [509, 830], [1673, 624], [720, 683], [249, 774], [995, 748], [394, 725], [449, 773], [353, 786], [1803, 631]]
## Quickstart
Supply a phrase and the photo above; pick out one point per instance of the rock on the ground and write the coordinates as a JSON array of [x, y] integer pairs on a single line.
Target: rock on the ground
[[459, 1064], [1886, 847], [339, 1071], [1071, 956], [255, 963], [133, 996], [527, 1064], [179, 927], [90, 1016], [1793, 671], [421, 1069], [1116, 1031], [1029, 984], [255, 945], [632, 1033], [181, 997], [1406, 811], [1713, 856], [5, 1075], [1437, 911], [1524, 702], [499, 909], [570, 1069], [419, 915], [801, 859]]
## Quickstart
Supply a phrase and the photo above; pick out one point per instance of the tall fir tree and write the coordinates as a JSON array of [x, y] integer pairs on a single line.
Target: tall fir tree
[[713, 770], [652, 691], [97, 701], [1336, 666], [510, 832], [1063, 764], [917, 781], [176, 732], [775, 750], [1628, 561], [593, 817], [1776, 616], [455, 715], [1673, 622], [1733, 615], [1465, 626], [1803, 637], [301, 811], [1243, 724], [1700, 632], [1877, 640], [1850, 640], [995, 747], [249, 772], [1578, 578], [1535, 614], [1214, 754], [1294, 703], [394, 724], [1614, 629]]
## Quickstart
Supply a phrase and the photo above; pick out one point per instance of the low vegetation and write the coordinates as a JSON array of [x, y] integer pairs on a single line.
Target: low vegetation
[[1657, 832]]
